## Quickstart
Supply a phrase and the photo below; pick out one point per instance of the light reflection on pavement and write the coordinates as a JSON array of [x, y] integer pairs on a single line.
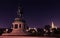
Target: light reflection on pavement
[[24, 37]]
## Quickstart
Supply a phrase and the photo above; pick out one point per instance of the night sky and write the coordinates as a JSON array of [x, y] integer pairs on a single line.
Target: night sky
[[37, 13]]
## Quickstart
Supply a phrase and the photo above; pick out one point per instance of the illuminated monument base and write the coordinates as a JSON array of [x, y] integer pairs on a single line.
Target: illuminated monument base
[[18, 28], [16, 32]]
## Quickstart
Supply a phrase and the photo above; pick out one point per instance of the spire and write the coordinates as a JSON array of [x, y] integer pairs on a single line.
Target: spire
[[53, 25], [20, 10]]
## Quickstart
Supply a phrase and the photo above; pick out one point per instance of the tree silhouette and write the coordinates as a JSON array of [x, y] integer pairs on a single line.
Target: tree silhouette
[[47, 28], [1, 31], [40, 32], [32, 32]]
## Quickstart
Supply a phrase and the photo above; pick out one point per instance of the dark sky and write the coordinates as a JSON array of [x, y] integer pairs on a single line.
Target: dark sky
[[37, 13]]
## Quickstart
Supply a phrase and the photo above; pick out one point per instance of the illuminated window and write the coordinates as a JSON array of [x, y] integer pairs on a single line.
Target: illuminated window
[[20, 25], [16, 25]]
